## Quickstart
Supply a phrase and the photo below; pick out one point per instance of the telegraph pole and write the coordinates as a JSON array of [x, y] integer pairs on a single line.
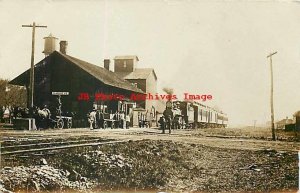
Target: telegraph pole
[[254, 124], [31, 87], [272, 105]]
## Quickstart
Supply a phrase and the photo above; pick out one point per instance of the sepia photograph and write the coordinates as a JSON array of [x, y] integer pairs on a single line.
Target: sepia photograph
[[149, 96]]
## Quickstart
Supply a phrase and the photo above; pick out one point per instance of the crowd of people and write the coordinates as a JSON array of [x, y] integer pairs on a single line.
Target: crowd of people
[[98, 118], [120, 119]]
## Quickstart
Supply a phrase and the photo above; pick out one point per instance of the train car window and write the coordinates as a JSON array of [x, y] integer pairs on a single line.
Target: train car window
[[201, 114], [207, 117], [208, 114]]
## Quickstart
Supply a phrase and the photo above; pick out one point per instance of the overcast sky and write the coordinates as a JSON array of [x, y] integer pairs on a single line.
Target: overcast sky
[[200, 47]]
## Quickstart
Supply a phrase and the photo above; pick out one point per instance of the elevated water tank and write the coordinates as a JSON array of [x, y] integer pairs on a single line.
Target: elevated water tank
[[50, 44]]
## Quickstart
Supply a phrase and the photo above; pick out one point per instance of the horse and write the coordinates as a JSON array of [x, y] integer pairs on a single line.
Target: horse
[[43, 114], [42, 117]]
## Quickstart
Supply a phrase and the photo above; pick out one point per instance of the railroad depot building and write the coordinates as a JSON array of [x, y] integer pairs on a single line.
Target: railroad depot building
[[59, 72]]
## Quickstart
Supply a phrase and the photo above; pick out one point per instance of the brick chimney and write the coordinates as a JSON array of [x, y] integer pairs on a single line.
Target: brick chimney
[[63, 46], [106, 63]]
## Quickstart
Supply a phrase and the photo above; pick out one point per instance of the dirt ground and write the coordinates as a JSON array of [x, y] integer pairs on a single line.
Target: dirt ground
[[202, 160]]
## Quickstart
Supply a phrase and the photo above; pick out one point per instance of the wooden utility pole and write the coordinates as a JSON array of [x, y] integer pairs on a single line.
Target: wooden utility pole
[[31, 87], [272, 105]]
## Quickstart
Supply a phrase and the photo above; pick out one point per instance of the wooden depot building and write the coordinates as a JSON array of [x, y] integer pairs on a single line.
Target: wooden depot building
[[59, 72]]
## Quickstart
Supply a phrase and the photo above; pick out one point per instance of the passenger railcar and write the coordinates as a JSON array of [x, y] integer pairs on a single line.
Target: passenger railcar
[[197, 115]]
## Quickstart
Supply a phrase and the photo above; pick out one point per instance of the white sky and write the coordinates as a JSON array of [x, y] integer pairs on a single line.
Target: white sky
[[200, 47]]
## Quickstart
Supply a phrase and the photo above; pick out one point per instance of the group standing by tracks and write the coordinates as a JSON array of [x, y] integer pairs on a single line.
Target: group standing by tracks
[[98, 118]]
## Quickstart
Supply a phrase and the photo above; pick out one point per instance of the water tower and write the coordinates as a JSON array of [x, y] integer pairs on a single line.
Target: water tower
[[50, 44]]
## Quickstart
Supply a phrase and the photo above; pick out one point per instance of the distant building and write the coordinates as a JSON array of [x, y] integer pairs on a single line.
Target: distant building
[[281, 124]]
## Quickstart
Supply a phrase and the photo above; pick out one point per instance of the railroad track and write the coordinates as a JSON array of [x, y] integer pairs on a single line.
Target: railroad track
[[3, 148], [52, 146], [39, 144]]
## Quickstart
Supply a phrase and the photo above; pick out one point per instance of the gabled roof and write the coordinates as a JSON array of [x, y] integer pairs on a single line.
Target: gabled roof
[[126, 57], [138, 73], [102, 74]]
